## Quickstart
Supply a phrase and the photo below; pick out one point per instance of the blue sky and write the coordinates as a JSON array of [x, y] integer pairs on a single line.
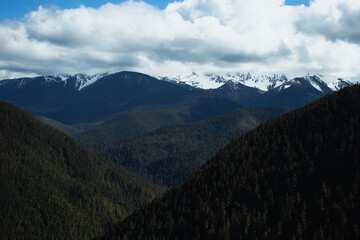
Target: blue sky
[[16, 9]]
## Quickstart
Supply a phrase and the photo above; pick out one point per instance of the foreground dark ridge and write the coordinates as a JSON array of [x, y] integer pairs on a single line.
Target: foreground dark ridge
[[295, 177], [53, 188]]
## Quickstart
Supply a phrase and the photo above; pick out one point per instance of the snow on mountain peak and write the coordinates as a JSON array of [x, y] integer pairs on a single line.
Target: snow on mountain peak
[[316, 82], [204, 81], [56, 78], [333, 82], [213, 81], [262, 82], [81, 80]]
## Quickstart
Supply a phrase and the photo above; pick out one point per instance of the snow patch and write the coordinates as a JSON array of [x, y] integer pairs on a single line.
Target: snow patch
[[63, 77], [88, 80], [203, 81], [82, 80], [213, 81], [315, 82], [262, 82], [333, 82]]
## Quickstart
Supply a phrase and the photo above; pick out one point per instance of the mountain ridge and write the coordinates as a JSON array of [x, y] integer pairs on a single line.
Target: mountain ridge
[[293, 177], [167, 154], [261, 82], [78, 81], [54, 188], [74, 102], [92, 99]]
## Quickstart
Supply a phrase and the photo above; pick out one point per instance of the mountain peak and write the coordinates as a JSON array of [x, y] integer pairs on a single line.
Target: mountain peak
[[79, 81], [262, 82]]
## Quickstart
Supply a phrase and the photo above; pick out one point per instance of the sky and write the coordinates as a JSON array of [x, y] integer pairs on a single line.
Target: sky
[[46, 37], [17, 9]]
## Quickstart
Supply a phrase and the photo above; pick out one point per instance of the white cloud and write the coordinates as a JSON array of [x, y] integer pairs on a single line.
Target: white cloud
[[201, 35], [333, 19]]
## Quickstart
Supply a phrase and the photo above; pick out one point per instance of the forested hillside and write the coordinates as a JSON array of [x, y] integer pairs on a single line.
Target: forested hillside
[[53, 188], [168, 155], [132, 124], [294, 177]]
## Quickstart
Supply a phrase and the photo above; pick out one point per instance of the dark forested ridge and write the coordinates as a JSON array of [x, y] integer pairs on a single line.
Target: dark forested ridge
[[294, 177], [168, 155], [53, 188], [132, 124]]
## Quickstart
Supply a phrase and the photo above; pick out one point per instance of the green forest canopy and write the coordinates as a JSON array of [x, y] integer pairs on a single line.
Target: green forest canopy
[[294, 177]]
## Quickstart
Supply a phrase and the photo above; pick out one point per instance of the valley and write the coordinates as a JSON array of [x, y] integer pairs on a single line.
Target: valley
[[179, 120], [293, 177], [163, 158]]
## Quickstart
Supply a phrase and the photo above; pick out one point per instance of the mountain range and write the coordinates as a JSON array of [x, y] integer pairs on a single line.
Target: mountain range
[[264, 90], [75, 101], [262, 82], [92, 98], [294, 177], [142, 122]]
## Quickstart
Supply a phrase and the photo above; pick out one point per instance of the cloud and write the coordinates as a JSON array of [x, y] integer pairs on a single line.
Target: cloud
[[201, 35], [338, 20]]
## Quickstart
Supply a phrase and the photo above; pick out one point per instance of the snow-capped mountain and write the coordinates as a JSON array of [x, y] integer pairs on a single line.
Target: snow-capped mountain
[[259, 90], [206, 81], [47, 94], [82, 99], [213, 81], [77, 81], [334, 83], [83, 80], [259, 81]]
